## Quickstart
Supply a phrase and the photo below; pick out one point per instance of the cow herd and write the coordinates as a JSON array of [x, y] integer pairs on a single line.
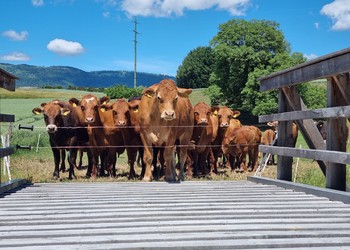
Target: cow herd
[[172, 137]]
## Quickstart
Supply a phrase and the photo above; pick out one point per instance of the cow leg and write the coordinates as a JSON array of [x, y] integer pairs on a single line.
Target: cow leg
[[148, 158], [182, 160], [143, 166], [80, 164], [132, 154], [90, 162], [255, 157], [63, 160], [72, 158], [169, 164], [56, 156]]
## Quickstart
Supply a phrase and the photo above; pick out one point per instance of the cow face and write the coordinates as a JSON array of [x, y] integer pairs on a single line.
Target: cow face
[[202, 113], [225, 114], [121, 113], [53, 113], [166, 94], [89, 106]]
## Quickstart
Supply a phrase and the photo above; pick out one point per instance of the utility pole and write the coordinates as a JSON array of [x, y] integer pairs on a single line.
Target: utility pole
[[135, 42]]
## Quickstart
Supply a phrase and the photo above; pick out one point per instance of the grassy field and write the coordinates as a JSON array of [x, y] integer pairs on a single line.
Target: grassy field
[[37, 164]]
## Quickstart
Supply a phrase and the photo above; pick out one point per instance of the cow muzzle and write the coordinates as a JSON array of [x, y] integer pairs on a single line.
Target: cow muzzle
[[168, 115], [51, 128]]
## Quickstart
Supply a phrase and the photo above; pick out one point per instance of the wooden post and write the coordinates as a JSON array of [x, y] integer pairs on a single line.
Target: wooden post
[[337, 132], [284, 163]]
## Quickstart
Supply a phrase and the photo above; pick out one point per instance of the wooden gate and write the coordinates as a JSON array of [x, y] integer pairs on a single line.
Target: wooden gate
[[330, 155]]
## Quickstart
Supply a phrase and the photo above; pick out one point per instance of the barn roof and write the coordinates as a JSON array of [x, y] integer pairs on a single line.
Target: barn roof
[[7, 80]]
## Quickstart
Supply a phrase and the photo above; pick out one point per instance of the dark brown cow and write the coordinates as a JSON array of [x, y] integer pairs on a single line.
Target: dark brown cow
[[166, 119], [105, 140], [202, 137], [238, 142], [222, 117], [65, 132]]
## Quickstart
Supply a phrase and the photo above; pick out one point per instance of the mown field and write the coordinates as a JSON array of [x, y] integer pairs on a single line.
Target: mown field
[[37, 164]]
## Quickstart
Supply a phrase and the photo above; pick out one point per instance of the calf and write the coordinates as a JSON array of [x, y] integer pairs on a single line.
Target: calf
[[65, 132], [267, 139], [166, 119], [238, 142]]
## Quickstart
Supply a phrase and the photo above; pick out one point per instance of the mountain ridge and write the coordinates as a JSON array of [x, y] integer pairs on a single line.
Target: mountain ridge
[[65, 76]]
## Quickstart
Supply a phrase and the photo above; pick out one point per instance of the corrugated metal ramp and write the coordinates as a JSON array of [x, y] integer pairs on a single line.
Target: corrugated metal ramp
[[186, 215]]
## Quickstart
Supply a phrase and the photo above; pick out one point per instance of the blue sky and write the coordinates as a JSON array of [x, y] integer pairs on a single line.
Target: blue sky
[[97, 34]]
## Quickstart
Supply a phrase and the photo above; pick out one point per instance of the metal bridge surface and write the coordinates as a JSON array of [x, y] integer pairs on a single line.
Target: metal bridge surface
[[186, 215]]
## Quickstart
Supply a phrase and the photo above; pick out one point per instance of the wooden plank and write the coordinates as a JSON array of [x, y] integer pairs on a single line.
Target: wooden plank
[[284, 163], [322, 113], [6, 151], [7, 118], [13, 184], [322, 67], [317, 154], [337, 134], [331, 194]]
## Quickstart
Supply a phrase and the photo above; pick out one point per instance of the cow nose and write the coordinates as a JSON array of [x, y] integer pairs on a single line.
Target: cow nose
[[203, 121], [169, 113], [89, 119], [121, 123], [224, 124], [51, 128]]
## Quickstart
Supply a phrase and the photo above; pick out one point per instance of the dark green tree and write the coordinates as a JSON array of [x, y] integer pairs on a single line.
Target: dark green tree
[[195, 70], [244, 51]]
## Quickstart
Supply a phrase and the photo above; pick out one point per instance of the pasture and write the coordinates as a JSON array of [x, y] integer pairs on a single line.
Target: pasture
[[36, 164]]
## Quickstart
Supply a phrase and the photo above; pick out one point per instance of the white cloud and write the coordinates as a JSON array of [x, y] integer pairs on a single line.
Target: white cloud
[[339, 12], [38, 3], [15, 36], [15, 56], [166, 8], [65, 48], [310, 56]]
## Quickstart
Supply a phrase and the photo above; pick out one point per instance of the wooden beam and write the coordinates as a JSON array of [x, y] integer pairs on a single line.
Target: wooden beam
[[317, 154], [323, 113], [6, 151], [322, 67]]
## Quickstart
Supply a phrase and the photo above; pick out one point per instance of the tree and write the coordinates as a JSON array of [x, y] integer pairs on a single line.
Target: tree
[[195, 70], [122, 91], [244, 51]]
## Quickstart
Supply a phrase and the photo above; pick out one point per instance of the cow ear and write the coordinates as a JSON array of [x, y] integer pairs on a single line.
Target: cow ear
[[148, 93], [65, 111], [74, 102], [105, 107], [104, 100], [43, 104], [215, 110], [134, 105], [37, 111], [236, 113], [184, 92]]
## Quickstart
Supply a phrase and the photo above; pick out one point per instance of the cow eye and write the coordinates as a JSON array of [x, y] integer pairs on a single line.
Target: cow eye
[[230, 117], [196, 113], [209, 113], [82, 108], [160, 99]]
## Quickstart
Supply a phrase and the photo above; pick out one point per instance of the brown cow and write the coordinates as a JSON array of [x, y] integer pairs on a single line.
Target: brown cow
[[125, 116], [295, 130], [104, 138], [65, 132], [267, 139], [166, 119], [238, 142], [202, 137], [221, 118]]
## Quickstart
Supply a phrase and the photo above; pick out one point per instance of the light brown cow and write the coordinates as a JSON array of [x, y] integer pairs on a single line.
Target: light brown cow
[[222, 117], [238, 142], [295, 130], [166, 120], [202, 137], [267, 139]]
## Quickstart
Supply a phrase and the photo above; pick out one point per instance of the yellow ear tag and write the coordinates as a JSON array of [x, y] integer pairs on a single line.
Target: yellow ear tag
[[66, 112], [102, 110], [148, 95], [37, 113], [234, 116], [136, 110], [215, 112], [104, 103], [74, 105]]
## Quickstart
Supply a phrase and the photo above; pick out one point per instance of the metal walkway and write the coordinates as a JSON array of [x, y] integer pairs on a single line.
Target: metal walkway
[[187, 215]]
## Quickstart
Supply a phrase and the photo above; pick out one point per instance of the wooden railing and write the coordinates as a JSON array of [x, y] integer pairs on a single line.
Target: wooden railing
[[330, 155]]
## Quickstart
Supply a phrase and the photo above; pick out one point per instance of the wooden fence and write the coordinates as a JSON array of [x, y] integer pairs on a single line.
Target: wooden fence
[[330, 155]]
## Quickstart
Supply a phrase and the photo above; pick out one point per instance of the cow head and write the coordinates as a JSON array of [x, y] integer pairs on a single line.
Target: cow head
[[166, 94], [202, 113], [89, 106], [121, 113], [53, 115], [225, 114]]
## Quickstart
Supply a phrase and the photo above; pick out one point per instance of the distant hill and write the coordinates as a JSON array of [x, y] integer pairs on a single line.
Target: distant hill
[[36, 76]]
